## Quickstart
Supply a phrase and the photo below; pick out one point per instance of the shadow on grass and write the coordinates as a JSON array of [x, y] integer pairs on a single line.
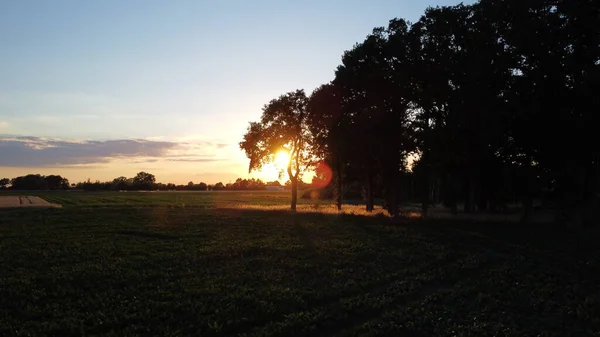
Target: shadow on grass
[[304, 236], [377, 263], [499, 232], [495, 243], [147, 235]]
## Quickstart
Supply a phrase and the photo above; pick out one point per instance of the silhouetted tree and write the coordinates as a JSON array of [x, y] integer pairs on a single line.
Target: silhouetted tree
[[55, 182], [283, 127], [326, 124], [29, 182], [122, 183], [4, 183], [144, 181]]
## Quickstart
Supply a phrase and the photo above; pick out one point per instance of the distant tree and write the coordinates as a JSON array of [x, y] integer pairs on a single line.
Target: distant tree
[[121, 184], [29, 182], [283, 127], [4, 183], [202, 186], [218, 186], [56, 182], [274, 183], [144, 181]]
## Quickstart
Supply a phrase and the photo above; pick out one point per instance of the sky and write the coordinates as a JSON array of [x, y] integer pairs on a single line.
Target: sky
[[101, 89]]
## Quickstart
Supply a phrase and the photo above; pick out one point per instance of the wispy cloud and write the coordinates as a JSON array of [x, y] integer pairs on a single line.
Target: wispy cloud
[[196, 160], [21, 151]]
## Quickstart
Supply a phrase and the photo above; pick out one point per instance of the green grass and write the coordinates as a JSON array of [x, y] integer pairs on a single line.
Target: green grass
[[205, 199], [195, 264]]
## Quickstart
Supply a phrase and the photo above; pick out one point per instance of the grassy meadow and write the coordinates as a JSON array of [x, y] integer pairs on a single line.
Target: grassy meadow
[[240, 264]]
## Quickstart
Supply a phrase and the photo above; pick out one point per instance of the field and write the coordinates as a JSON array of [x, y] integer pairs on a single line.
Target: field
[[239, 264]]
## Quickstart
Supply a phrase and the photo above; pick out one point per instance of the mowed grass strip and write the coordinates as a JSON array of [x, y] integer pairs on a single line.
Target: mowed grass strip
[[165, 270], [199, 199]]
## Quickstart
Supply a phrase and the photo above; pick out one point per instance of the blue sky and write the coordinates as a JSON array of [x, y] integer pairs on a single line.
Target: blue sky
[[190, 74]]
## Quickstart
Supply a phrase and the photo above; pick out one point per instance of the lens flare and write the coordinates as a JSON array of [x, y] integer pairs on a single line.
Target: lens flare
[[323, 175]]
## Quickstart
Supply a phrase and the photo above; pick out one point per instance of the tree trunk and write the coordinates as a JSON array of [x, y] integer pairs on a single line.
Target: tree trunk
[[424, 189], [369, 196], [483, 197], [527, 208], [294, 193], [338, 185], [434, 190], [451, 194], [579, 196], [527, 199], [470, 195], [392, 196]]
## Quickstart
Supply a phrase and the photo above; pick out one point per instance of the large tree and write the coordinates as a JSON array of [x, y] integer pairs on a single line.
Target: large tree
[[144, 181], [283, 127], [373, 81], [326, 124]]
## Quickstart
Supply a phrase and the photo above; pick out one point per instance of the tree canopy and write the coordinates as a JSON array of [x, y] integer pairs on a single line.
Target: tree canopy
[[493, 103], [283, 127]]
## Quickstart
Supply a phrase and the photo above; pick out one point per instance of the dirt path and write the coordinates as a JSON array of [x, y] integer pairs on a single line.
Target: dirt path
[[24, 201]]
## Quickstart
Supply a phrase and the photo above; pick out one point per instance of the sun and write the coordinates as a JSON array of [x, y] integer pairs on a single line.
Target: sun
[[281, 159], [275, 169]]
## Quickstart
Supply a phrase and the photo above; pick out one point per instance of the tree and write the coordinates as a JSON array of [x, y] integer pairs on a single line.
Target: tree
[[375, 88], [275, 183], [4, 183], [56, 182], [144, 181], [121, 183], [29, 182], [327, 126], [283, 127]]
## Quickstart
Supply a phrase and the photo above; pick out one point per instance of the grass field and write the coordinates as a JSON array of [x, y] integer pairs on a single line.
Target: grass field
[[237, 264]]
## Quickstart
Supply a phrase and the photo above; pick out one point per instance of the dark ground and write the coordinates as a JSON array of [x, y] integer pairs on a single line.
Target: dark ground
[[184, 264]]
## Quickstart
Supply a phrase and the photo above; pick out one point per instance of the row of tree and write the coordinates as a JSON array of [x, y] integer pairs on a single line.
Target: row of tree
[[35, 182], [142, 181], [492, 102], [137, 183]]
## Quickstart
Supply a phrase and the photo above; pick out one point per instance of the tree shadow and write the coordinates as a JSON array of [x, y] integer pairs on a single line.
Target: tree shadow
[[147, 235]]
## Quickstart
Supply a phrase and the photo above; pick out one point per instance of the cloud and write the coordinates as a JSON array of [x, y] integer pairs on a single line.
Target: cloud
[[36, 151], [144, 161], [196, 160], [3, 125]]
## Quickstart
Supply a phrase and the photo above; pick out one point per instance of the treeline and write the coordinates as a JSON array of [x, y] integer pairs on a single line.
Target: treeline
[[35, 182], [142, 181], [146, 181], [492, 102]]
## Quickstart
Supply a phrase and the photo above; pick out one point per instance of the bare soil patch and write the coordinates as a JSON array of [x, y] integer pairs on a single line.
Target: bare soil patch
[[24, 201]]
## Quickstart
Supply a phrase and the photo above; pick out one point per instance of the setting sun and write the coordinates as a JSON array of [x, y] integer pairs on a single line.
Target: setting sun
[[271, 171], [281, 159]]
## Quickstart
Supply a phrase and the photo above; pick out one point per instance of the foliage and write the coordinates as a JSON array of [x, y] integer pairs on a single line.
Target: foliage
[[36, 182], [283, 127], [478, 95], [4, 183]]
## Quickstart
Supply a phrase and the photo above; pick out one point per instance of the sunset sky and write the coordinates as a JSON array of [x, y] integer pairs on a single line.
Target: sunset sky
[[100, 89]]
